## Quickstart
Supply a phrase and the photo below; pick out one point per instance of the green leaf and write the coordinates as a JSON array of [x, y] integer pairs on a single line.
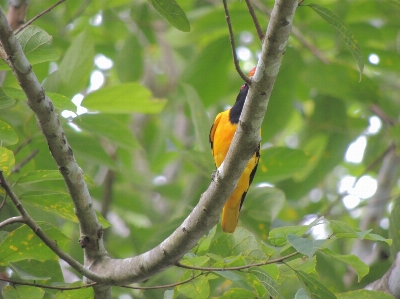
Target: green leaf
[[278, 163], [113, 127], [241, 242], [75, 67], [129, 62], [200, 119], [38, 270], [236, 293], [25, 275], [125, 98], [358, 265], [268, 283], [198, 288], [84, 293], [44, 175], [278, 236], [23, 244], [364, 294], [56, 203], [7, 134], [343, 230], [262, 206], [313, 288], [7, 161], [39, 176], [172, 12], [17, 291], [238, 279], [5, 100], [61, 102], [202, 161], [347, 36], [304, 245], [37, 46]]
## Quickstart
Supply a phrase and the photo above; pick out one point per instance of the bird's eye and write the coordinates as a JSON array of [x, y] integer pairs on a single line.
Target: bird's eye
[[243, 86]]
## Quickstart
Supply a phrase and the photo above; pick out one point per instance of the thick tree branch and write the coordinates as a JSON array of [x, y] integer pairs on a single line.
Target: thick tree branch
[[206, 214], [49, 123], [390, 281]]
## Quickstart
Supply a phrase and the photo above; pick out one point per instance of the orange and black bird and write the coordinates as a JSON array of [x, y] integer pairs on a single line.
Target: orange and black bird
[[221, 135]]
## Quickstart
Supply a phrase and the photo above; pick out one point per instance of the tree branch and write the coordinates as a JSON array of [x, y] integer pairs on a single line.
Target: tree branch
[[233, 47], [28, 220], [13, 282], [255, 20], [59, 147], [390, 281], [210, 269], [12, 220], [206, 214], [38, 16]]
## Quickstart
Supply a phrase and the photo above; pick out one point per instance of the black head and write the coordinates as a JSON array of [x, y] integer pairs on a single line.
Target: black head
[[236, 110]]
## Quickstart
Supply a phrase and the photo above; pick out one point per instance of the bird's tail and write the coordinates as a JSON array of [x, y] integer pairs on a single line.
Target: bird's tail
[[230, 217]]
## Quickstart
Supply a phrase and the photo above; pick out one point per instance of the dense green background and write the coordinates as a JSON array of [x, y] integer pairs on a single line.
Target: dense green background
[[156, 106]]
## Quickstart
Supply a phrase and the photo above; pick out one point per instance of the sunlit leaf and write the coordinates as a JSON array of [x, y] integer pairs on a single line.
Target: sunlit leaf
[[7, 134], [23, 244], [344, 32], [7, 160], [172, 12], [125, 98]]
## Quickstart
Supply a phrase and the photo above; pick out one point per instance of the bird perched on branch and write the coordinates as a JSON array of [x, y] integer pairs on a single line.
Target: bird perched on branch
[[221, 135]]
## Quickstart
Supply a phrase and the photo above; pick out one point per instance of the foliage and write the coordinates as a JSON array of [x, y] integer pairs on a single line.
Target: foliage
[[152, 92]]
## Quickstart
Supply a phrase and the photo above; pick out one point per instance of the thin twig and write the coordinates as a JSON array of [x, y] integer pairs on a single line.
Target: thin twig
[[46, 286], [3, 203], [38, 16], [22, 145], [255, 21], [18, 167], [12, 220], [164, 286], [278, 260], [296, 33], [232, 41]]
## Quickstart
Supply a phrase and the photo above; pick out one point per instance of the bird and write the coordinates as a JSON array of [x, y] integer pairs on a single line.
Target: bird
[[221, 135]]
